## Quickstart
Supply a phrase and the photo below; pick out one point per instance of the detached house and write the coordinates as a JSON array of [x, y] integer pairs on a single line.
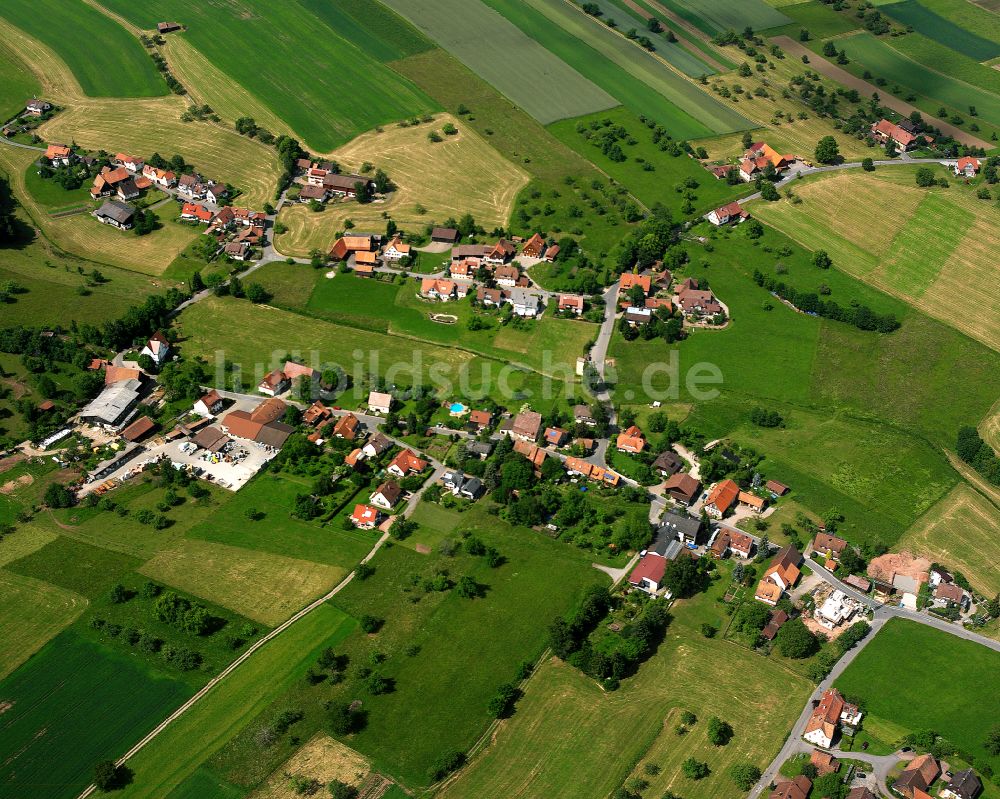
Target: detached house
[[208, 405], [396, 249], [499, 253], [525, 303], [347, 427], [758, 156], [58, 155], [797, 788], [159, 177], [365, 517], [784, 569], [129, 162], [628, 280], [406, 463], [695, 302], [525, 426], [918, 776], [963, 785], [438, 289], [682, 488], [274, 382], [379, 402], [731, 213], [571, 302], [648, 573], [967, 166], [386, 495], [157, 348], [35, 107], [667, 463], [377, 445], [196, 213], [829, 546], [507, 276], [631, 441], [116, 213]]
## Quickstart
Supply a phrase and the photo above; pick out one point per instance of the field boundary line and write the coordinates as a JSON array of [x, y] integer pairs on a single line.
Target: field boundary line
[[150, 736]]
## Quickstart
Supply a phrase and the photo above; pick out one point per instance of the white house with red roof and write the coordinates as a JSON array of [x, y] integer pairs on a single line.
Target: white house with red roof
[[967, 166], [648, 573], [885, 131], [131, 163], [731, 213], [365, 517]]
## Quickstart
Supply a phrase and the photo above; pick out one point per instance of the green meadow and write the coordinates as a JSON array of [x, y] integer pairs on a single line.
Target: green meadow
[[106, 59], [945, 685], [17, 84], [335, 93], [724, 15], [943, 30], [74, 703]]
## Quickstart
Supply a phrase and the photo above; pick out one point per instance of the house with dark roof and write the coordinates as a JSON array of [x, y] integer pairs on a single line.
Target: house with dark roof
[[444, 235], [681, 527], [829, 546], [778, 618], [117, 214], [386, 495], [668, 463], [964, 784]]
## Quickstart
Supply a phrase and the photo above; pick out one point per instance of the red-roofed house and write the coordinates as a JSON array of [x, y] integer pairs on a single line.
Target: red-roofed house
[[885, 131], [648, 573], [406, 462], [571, 302], [437, 289], [58, 154], [274, 382], [721, 498], [387, 495], [131, 163], [797, 788], [967, 166], [161, 177], [631, 441], [347, 427], [732, 212], [196, 213], [628, 280], [365, 517], [533, 247]]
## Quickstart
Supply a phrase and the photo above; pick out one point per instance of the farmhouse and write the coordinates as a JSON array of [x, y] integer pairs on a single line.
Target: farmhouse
[[116, 213], [396, 249], [160, 177], [157, 348], [721, 498], [386, 495], [35, 107], [534, 247], [507, 276], [499, 253], [757, 158], [209, 404], [631, 441], [342, 185], [406, 463], [379, 402], [967, 166], [345, 245], [261, 424], [730, 213], [365, 517], [682, 488], [917, 777], [827, 718], [629, 279], [648, 573], [885, 131]]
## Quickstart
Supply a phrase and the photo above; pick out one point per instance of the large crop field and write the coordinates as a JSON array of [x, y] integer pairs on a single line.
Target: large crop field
[[974, 17], [73, 704], [571, 740], [935, 249], [435, 181], [514, 63], [959, 532], [118, 67], [943, 30], [721, 15], [638, 79], [948, 687], [886, 62], [176, 754], [31, 613], [335, 93]]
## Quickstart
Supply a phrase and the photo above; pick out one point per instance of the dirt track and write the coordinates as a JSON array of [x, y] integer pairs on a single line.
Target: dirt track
[[845, 78]]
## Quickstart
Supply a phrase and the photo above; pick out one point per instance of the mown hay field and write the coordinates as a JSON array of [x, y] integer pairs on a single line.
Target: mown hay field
[[571, 740], [325, 87], [321, 758], [960, 532], [176, 754], [73, 704], [105, 58], [936, 250], [31, 613], [510, 60], [265, 587], [434, 180]]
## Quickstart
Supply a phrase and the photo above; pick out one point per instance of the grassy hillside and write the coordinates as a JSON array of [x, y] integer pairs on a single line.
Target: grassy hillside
[[106, 59], [17, 84]]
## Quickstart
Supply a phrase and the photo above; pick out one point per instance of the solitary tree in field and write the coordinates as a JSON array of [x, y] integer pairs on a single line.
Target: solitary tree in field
[[868, 165], [694, 769], [827, 151], [745, 775]]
